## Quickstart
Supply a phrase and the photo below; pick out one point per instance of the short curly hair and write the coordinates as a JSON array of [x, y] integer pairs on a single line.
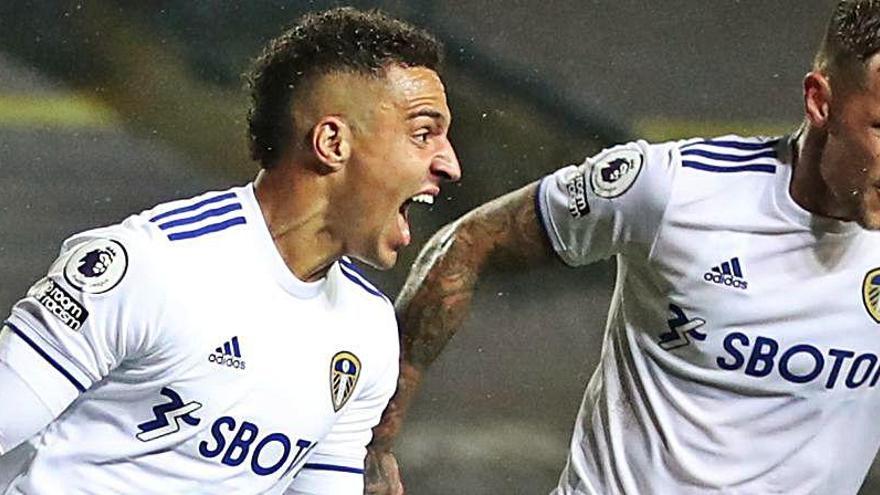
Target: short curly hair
[[852, 38], [337, 40]]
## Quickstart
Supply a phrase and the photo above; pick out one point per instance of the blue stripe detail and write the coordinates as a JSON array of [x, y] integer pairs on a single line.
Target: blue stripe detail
[[737, 145], [216, 212], [79, 386], [728, 158], [332, 467], [354, 278], [208, 229], [358, 281], [538, 213], [737, 270], [192, 207], [351, 266], [766, 168]]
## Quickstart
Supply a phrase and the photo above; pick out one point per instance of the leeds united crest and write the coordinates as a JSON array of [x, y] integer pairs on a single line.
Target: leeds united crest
[[871, 294], [345, 368]]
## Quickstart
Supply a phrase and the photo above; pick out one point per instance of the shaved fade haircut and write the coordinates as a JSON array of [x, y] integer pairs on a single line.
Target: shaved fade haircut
[[852, 38], [337, 40]]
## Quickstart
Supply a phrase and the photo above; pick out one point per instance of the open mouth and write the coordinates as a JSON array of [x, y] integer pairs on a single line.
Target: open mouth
[[422, 198], [425, 199], [403, 220]]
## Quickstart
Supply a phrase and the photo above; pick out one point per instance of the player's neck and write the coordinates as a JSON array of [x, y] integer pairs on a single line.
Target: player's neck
[[295, 212], [808, 188]]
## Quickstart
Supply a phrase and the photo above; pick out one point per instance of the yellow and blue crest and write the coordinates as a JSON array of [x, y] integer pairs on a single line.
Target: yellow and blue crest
[[871, 294], [345, 368]]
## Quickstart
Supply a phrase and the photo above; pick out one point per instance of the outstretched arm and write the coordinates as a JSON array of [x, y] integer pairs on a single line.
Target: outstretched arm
[[435, 299]]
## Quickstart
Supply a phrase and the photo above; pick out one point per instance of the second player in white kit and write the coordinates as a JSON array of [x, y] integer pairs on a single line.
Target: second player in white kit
[[741, 346], [747, 338]]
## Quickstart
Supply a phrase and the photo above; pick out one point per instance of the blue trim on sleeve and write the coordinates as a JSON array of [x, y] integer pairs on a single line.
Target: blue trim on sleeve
[[192, 207], [208, 229], [47, 357], [539, 213], [766, 168], [726, 157], [216, 212], [332, 467], [737, 145]]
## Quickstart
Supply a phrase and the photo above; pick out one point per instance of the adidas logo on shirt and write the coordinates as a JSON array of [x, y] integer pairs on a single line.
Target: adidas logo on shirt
[[229, 354], [728, 273]]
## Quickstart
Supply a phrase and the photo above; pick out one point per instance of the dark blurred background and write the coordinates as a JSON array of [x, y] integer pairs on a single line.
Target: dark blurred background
[[108, 107]]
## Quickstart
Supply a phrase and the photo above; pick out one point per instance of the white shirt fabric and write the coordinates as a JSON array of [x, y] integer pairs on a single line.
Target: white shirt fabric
[[197, 363], [741, 347]]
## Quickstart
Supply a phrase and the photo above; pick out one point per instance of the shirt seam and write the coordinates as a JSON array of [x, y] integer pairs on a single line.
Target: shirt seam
[[661, 223]]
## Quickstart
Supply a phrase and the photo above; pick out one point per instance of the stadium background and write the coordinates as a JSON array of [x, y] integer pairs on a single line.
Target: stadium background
[[108, 107]]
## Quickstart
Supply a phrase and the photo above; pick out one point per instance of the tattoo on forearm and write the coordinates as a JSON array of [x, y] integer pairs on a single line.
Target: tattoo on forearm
[[435, 298], [438, 292]]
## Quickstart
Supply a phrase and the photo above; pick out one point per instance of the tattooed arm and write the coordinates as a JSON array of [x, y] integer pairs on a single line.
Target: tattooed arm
[[435, 299]]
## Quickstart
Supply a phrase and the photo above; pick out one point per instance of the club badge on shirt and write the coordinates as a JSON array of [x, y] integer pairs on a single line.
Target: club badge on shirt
[[345, 368], [871, 293], [96, 266], [615, 172]]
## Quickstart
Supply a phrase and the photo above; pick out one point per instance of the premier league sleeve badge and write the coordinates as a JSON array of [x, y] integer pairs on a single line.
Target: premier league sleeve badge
[[97, 266]]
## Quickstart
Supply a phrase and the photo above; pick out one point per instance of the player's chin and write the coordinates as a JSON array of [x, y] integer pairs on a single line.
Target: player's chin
[[383, 258], [870, 214], [870, 221]]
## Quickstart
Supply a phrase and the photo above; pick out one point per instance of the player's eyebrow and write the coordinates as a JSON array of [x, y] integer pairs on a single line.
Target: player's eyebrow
[[427, 112]]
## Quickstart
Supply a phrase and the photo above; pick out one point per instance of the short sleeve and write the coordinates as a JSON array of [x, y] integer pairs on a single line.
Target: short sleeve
[[336, 467], [91, 312], [612, 203]]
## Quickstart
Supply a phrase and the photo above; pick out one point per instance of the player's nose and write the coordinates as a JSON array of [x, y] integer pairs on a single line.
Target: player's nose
[[445, 163]]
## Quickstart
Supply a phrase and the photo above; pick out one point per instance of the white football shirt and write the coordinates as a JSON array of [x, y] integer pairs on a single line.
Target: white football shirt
[[196, 362], [741, 347]]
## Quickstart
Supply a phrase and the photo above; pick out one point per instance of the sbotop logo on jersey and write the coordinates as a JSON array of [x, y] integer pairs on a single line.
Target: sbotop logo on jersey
[[729, 274], [97, 266], [168, 416], [682, 329], [345, 368], [236, 442], [614, 173], [228, 355], [60, 303], [759, 356], [871, 294], [230, 441]]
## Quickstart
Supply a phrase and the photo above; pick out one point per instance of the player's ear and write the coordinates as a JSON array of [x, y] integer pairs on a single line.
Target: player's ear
[[817, 99], [331, 142]]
